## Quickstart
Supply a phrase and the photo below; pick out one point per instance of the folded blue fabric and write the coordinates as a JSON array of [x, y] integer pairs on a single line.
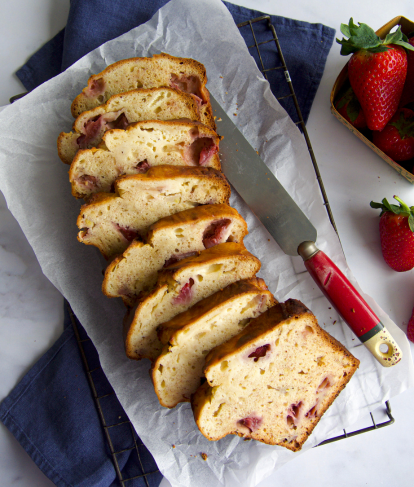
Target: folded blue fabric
[[52, 414], [92, 22], [51, 411]]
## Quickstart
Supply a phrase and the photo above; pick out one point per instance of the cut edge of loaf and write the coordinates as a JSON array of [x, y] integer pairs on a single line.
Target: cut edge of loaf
[[254, 343], [122, 109], [170, 239], [187, 337], [179, 281], [97, 226], [95, 170], [95, 94]]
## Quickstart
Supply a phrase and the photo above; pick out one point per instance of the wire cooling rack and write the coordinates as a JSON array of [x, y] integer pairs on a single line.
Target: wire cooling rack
[[284, 99], [138, 455]]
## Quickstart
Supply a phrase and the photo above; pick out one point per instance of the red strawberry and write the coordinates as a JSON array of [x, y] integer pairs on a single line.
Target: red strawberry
[[410, 328], [397, 138], [408, 91], [376, 70], [349, 107], [397, 234]]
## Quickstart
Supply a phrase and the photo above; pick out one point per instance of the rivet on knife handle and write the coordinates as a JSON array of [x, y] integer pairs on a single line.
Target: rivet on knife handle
[[350, 305]]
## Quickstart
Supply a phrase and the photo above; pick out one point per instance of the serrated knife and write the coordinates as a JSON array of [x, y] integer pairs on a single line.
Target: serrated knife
[[295, 234]]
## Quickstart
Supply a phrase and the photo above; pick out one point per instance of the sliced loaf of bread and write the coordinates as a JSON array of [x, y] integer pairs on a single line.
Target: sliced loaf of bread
[[189, 336], [274, 380], [141, 146], [180, 286], [184, 74], [169, 240], [121, 110], [110, 221]]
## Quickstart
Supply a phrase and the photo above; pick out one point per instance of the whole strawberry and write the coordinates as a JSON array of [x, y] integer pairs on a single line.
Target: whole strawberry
[[397, 138], [350, 108], [410, 328], [396, 234], [376, 70]]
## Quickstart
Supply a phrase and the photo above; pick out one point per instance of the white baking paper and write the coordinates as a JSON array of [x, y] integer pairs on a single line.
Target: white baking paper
[[35, 184]]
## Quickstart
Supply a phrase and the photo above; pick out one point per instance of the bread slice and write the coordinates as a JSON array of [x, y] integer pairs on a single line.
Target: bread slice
[[189, 336], [184, 74], [169, 240], [121, 110], [180, 286], [274, 380], [141, 146], [110, 221]]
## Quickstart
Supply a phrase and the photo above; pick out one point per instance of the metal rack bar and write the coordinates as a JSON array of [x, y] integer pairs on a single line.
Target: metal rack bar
[[81, 342], [375, 426], [293, 96], [301, 123], [123, 481]]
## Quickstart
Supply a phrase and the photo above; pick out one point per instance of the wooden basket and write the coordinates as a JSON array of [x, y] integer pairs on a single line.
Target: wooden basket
[[342, 82]]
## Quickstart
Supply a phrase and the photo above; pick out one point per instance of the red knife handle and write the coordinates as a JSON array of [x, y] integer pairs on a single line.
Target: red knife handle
[[349, 304]]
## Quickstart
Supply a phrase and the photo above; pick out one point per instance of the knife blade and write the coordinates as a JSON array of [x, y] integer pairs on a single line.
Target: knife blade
[[296, 235]]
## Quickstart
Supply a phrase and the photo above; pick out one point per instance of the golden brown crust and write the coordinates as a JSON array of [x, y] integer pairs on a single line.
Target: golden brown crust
[[136, 268], [211, 255], [205, 130], [167, 330], [277, 315], [168, 277], [77, 104], [105, 107], [171, 172], [199, 213], [282, 314], [102, 164], [121, 101], [187, 330], [98, 222]]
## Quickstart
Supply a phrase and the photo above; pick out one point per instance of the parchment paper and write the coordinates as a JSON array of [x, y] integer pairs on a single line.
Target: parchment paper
[[35, 184]]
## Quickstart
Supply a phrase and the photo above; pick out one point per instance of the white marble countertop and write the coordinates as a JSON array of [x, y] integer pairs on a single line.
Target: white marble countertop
[[31, 309]]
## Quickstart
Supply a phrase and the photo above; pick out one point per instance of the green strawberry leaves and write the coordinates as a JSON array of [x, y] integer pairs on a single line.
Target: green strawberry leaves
[[403, 209], [361, 36], [404, 126], [353, 107]]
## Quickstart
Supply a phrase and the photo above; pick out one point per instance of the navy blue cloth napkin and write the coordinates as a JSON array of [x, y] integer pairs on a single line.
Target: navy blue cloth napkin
[[52, 412], [92, 22]]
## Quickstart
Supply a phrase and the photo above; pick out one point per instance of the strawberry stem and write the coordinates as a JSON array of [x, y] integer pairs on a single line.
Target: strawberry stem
[[362, 36], [403, 209]]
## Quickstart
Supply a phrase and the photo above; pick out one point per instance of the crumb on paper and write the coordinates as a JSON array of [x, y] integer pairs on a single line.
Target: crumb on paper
[[173, 446], [221, 77], [235, 114], [334, 322], [204, 456], [219, 119]]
